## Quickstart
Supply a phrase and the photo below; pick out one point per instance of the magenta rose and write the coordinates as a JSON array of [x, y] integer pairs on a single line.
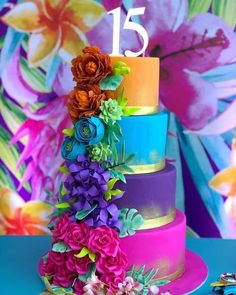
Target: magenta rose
[[78, 287], [64, 278], [76, 237], [48, 268], [110, 264], [79, 265], [57, 258], [112, 281], [61, 228], [103, 240]]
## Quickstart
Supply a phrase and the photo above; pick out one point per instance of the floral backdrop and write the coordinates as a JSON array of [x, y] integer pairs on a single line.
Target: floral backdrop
[[196, 44]]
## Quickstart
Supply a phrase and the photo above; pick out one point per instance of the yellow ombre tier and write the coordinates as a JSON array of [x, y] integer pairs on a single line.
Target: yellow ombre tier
[[141, 85]]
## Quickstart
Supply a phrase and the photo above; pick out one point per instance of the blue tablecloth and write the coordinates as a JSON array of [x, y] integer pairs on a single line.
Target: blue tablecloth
[[19, 258]]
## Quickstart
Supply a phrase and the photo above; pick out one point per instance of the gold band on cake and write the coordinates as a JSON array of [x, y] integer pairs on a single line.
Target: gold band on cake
[[148, 168], [175, 275], [159, 221], [144, 110]]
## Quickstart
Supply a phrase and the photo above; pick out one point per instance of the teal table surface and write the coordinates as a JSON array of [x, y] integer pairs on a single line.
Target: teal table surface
[[19, 258]]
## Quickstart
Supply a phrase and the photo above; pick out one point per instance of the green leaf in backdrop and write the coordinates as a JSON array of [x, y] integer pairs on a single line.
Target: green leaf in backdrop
[[5, 179], [34, 77], [225, 9], [12, 114], [10, 155], [198, 6]]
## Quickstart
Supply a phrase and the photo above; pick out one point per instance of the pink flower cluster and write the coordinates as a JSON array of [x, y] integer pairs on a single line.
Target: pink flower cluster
[[64, 268]]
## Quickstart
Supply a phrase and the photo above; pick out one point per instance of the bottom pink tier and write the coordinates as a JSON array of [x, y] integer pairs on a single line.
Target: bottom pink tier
[[162, 248]]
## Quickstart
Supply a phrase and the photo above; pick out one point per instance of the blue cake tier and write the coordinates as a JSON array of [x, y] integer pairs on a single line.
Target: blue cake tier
[[145, 138]]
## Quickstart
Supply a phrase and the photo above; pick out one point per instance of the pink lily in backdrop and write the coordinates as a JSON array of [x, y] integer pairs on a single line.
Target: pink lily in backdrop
[[187, 48], [42, 151]]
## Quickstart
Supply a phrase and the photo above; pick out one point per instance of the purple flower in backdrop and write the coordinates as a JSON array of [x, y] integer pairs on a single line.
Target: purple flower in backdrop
[[42, 151], [187, 48], [86, 186]]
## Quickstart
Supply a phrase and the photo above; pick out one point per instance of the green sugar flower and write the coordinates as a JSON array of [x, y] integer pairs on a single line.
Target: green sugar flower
[[99, 152], [110, 110]]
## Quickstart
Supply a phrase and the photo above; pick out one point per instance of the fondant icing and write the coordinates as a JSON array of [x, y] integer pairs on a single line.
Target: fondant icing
[[161, 248], [152, 194], [141, 88], [144, 137]]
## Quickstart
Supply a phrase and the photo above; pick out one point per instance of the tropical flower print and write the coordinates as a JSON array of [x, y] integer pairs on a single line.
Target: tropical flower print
[[43, 148], [18, 217], [224, 182], [186, 49], [196, 45], [55, 27]]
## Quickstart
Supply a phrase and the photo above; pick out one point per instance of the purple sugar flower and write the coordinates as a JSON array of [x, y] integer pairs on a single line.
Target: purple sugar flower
[[86, 186]]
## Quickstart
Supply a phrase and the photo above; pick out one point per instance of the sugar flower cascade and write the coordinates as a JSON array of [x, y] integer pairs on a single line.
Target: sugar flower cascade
[[86, 257]]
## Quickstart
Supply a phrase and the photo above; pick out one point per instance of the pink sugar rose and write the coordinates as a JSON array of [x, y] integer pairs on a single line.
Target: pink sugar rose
[[76, 237], [78, 287], [61, 228], [79, 265], [113, 281], [63, 277], [57, 258], [104, 240], [108, 264], [47, 268]]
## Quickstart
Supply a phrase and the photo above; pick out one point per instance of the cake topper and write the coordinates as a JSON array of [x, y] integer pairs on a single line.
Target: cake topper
[[128, 25]]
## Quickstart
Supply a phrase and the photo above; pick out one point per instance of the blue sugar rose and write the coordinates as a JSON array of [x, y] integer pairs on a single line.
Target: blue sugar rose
[[89, 130], [71, 148]]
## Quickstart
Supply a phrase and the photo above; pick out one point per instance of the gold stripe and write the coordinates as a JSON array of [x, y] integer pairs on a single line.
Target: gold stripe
[[144, 110], [148, 168], [159, 221], [174, 275]]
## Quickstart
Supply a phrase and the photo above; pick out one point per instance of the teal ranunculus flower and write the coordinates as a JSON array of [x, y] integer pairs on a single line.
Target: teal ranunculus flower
[[110, 110], [71, 148], [89, 130]]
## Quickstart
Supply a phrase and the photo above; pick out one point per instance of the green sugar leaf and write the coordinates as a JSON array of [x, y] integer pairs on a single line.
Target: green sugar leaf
[[159, 282], [60, 247], [121, 68], [112, 182], [69, 132], [83, 213], [64, 169], [84, 251], [63, 205], [92, 256], [111, 82], [88, 275], [114, 173], [50, 194], [129, 111], [121, 100], [131, 221]]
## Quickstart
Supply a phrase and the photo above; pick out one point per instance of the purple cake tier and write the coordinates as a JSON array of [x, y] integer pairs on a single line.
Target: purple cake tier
[[152, 194]]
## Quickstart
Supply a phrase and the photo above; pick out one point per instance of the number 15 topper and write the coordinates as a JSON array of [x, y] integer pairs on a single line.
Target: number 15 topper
[[128, 25]]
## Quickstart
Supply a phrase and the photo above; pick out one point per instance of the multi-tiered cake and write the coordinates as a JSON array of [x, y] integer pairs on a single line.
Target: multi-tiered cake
[[115, 227]]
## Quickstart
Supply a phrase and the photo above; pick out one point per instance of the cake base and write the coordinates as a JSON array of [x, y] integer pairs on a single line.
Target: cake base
[[193, 278], [195, 275]]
